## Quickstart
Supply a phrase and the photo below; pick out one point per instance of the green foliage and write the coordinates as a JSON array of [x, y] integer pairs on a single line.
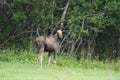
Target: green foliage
[[93, 25], [19, 17], [11, 55]]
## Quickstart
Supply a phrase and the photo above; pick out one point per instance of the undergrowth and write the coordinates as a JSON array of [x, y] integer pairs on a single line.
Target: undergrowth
[[30, 56]]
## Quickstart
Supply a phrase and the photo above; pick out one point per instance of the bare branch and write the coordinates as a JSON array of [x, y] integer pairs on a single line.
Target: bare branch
[[14, 37], [65, 37], [61, 21]]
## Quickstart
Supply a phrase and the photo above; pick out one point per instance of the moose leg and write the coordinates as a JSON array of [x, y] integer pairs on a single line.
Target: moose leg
[[49, 57], [40, 55], [55, 57], [40, 59]]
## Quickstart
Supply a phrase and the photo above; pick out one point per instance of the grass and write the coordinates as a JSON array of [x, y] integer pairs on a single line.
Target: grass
[[22, 65], [31, 71]]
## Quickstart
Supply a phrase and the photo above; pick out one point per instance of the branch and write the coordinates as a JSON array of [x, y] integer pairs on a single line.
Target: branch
[[63, 15], [61, 21], [65, 37], [14, 37]]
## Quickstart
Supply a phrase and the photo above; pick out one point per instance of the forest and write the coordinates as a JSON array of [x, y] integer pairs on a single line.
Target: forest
[[89, 48], [91, 28]]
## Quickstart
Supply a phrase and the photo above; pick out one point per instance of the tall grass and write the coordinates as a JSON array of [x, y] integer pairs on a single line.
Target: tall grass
[[16, 55], [30, 56]]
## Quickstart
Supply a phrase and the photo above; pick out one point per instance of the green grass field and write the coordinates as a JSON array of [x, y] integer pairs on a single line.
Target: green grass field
[[31, 71]]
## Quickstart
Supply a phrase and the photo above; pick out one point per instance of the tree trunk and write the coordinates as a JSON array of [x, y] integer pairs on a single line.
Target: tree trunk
[[61, 21], [63, 16]]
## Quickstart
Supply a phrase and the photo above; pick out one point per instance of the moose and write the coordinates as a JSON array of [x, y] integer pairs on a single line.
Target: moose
[[49, 44]]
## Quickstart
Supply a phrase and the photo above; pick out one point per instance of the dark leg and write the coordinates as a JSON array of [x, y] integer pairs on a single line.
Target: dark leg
[[55, 57], [49, 57]]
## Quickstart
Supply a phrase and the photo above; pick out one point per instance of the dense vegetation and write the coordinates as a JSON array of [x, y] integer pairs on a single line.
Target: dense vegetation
[[91, 28]]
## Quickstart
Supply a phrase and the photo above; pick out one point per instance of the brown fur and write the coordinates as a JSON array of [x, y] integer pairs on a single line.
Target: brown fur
[[50, 44]]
